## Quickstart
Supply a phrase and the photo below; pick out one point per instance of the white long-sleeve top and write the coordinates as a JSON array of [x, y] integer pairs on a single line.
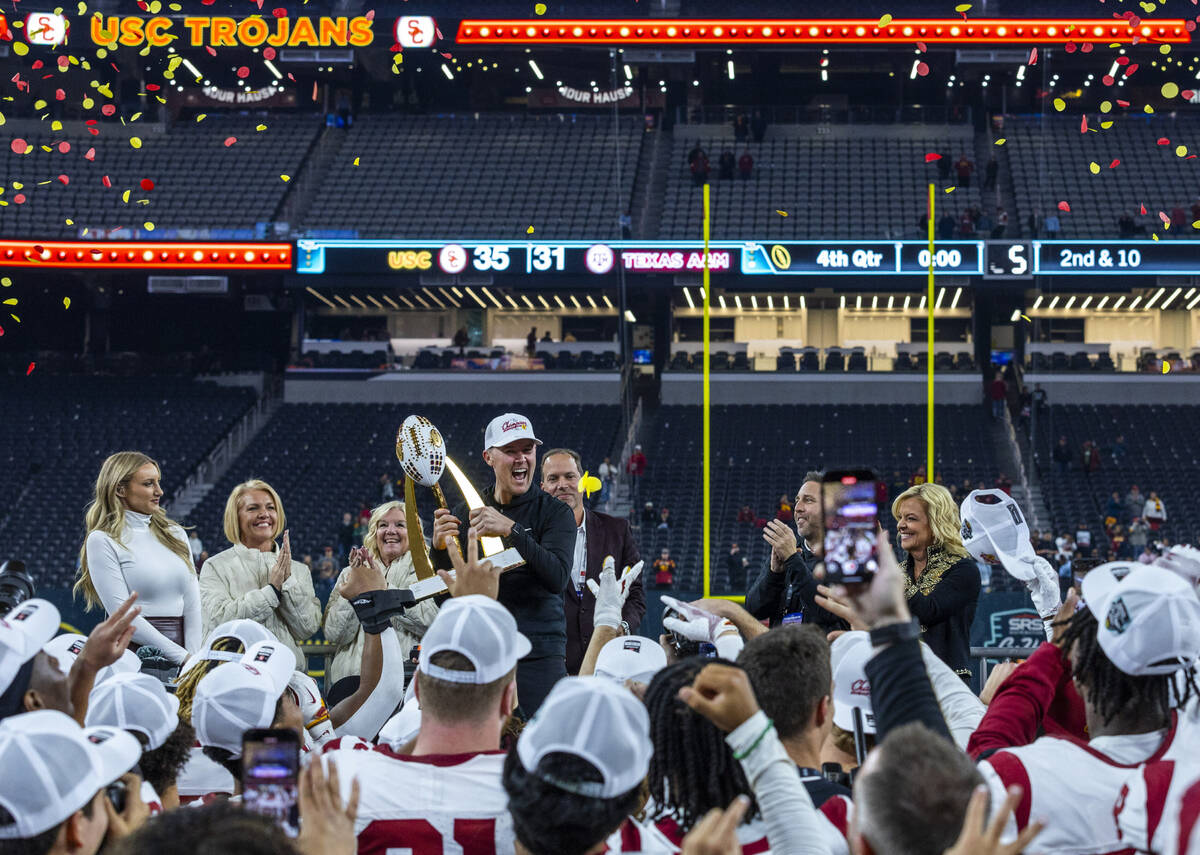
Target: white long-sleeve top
[[234, 584], [166, 584]]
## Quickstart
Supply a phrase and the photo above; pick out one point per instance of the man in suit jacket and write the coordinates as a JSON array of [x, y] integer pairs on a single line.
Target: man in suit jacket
[[597, 536]]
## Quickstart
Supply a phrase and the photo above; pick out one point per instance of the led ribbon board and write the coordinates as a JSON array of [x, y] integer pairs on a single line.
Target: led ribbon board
[[146, 255], [793, 31]]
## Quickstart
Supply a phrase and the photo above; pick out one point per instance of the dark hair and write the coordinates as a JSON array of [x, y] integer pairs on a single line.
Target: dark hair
[[693, 770], [549, 820], [790, 671], [39, 844], [1110, 690], [162, 765], [457, 703], [570, 452], [914, 798], [215, 829]]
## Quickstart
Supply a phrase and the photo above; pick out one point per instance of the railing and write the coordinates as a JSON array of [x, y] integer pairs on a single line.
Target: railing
[[209, 469], [997, 654], [632, 438], [720, 114]]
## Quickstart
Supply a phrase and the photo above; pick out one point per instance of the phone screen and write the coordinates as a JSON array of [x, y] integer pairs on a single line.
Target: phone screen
[[850, 506], [270, 776]]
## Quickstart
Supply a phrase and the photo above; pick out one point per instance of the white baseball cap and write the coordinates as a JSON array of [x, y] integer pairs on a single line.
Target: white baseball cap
[[597, 721], [53, 767], [243, 629], [65, 649], [995, 531], [848, 656], [23, 632], [241, 695], [508, 428], [632, 657], [1149, 618], [403, 727], [480, 629], [135, 702]]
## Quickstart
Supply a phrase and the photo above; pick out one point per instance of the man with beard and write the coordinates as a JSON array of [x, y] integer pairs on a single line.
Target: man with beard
[[542, 530], [785, 592], [596, 536]]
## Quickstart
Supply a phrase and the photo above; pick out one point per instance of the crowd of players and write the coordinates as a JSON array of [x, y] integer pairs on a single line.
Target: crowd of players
[[836, 729]]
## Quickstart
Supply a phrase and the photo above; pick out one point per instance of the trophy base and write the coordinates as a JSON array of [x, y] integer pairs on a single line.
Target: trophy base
[[431, 587], [506, 559]]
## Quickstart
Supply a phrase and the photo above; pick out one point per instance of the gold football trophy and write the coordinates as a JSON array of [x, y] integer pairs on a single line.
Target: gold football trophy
[[421, 451]]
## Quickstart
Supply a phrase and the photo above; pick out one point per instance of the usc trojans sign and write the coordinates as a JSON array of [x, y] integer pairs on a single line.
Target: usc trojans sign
[[255, 31]]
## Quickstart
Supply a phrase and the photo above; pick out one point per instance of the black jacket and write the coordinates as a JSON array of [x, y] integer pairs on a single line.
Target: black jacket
[[544, 534], [774, 595], [944, 601]]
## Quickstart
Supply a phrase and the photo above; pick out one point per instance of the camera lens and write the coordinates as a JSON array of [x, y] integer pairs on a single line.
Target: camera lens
[[115, 792], [16, 585]]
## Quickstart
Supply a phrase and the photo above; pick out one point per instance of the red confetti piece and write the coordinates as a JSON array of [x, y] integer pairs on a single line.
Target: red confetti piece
[[1114, 164], [108, 109], [64, 179], [1121, 103], [1063, 206], [922, 69], [243, 72], [19, 198], [146, 184], [1107, 80], [64, 63], [143, 5], [1086, 47], [1069, 47], [1162, 215], [60, 95], [64, 147], [931, 156], [1, 330], [268, 53], [90, 155], [314, 95], [921, 47], [152, 87], [291, 77], [19, 146], [279, 13], [1187, 94], [1033, 56], [106, 181], [36, 65], [1083, 124], [29, 370], [1122, 60], [1163, 141], [94, 131], [1143, 209], [370, 16], [208, 2], [212, 51], [1190, 26], [1130, 69], [230, 141]]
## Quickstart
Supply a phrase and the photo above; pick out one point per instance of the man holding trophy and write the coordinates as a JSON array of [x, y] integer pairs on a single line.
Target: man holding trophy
[[542, 530]]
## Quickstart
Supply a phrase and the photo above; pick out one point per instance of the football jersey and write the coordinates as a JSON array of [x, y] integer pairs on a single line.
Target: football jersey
[[1073, 785], [665, 836], [428, 805]]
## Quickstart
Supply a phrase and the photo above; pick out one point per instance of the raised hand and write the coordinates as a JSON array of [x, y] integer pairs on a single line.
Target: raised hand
[[716, 834], [365, 574], [471, 575], [976, 840], [111, 637], [611, 592]]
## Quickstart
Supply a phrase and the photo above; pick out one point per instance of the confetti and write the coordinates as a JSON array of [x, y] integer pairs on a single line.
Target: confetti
[[1130, 69], [1070, 47], [1187, 94], [539, 9], [230, 141], [19, 199], [931, 156], [589, 484], [125, 197], [923, 69], [1143, 209], [201, 117], [19, 146], [1163, 141], [1105, 106], [885, 19], [1026, 317], [148, 226], [1094, 167], [1064, 207], [66, 302], [1107, 80], [106, 181], [1180, 150], [1060, 104], [1032, 56], [146, 184], [285, 178], [781, 213], [1083, 127], [108, 109], [29, 370], [136, 142], [1114, 164], [1169, 90], [64, 179], [268, 53], [529, 230], [949, 189], [243, 72], [962, 8], [1001, 141], [90, 154], [6, 282]]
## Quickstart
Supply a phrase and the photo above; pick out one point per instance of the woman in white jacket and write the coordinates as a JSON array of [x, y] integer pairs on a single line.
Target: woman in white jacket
[[131, 546], [255, 579], [386, 541]]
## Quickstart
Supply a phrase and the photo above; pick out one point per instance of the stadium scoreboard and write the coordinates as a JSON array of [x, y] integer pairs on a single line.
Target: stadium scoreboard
[[991, 259]]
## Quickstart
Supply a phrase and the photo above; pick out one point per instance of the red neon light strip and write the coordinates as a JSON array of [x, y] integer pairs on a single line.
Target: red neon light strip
[[818, 31], [146, 255]]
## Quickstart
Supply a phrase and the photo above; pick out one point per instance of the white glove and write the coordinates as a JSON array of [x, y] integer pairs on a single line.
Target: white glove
[[1045, 592], [699, 625], [312, 707], [1183, 561], [612, 592]]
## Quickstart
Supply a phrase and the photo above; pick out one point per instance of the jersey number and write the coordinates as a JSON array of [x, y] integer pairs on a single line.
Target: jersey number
[[419, 837]]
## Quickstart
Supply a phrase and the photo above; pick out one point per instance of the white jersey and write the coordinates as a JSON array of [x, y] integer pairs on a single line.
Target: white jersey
[[1072, 785], [1158, 807], [448, 804], [665, 836]]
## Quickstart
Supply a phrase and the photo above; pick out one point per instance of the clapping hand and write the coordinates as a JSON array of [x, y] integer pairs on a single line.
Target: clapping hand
[[365, 574], [783, 543], [281, 570], [611, 592]]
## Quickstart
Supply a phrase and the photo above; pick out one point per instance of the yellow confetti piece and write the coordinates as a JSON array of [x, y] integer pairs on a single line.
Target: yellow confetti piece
[[82, 8], [105, 90], [174, 62], [1180, 150], [148, 226], [88, 103], [2, 119], [962, 7], [1094, 167], [1105, 106], [56, 125], [1170, 90], [589, 484], [1001, 141], [1026, 317], [885, 20], [285, 178], [1164, 49], [1148, 109], [6, 282], [356, 161], [70, 222], [1196, 225], [20, 48], [539, 9], [136, 142], [11, 301], [781, 213], [1154, 236], [529, 230], [125, 197], [66, 302], [949, 189], [260, 128], [135, 117], [200, 118], [17, 185], [1106, 125], [40, 104], [1060, 104], [155, 7], [14, 317]]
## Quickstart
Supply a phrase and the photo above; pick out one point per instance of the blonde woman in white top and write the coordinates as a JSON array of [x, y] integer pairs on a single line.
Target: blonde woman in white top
[[131, 546], [255, 579], [386, 541]]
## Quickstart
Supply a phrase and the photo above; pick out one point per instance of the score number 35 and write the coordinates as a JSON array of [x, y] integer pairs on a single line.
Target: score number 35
[[491, 258]]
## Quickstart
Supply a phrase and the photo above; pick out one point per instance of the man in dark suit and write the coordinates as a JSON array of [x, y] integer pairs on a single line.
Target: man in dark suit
[[597, 536]]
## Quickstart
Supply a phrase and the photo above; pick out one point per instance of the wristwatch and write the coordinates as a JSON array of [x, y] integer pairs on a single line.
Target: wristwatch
[[895, 633]]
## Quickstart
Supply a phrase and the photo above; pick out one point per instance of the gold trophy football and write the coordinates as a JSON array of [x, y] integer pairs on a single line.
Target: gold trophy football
[[421, 451]]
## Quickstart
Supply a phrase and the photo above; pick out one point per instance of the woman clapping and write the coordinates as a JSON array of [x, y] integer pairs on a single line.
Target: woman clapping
[[255, 579]]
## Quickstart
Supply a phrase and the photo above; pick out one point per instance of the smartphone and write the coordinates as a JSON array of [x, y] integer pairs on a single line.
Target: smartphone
[[850, 500], [271, 775]]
